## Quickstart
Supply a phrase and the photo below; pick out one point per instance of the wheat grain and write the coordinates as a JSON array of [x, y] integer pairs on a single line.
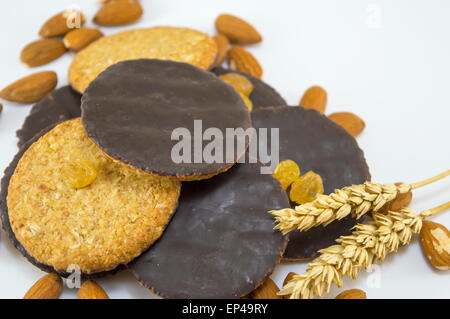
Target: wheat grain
[[356, 200], [368, 244]]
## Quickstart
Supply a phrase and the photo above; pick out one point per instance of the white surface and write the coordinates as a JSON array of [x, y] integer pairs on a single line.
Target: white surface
[[387, 61]]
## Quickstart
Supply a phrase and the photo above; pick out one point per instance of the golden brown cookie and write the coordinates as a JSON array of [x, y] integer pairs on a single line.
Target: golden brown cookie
[[98, 227], [164, 43]]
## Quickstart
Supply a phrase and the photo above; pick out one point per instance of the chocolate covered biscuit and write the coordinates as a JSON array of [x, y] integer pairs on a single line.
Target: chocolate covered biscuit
[[60, 105], [263, 95], [319, 145], [135, 111], [221, 242]]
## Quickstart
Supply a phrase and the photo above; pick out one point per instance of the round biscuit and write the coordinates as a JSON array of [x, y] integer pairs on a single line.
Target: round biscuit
[[97, 228], [164, 43]]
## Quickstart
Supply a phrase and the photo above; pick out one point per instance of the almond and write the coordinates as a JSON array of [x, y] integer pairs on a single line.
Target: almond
[[352, 294], [352, 123], [222, 46], [400, 202], [288, 278], [268, 290], [118, 12], [31, 88], [61, 23], [48, 287], [237, 30], [77, 40], [435, 240], [42, 51], [241, 60], [91, 290], [315, 98]]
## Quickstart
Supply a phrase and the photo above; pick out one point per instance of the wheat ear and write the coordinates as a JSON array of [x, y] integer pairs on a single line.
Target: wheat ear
[[367, 244], [356, 200]]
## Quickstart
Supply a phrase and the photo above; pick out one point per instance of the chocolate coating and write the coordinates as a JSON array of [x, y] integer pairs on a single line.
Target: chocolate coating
[[316, 144], [60, 105], [221, 242], [131, 109], [263, 95], [9, 171]]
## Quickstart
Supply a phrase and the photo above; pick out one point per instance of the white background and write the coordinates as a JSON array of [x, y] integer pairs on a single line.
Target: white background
[[387, 61]]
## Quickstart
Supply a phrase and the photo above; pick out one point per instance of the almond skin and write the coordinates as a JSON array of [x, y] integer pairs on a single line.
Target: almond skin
[[31, 88], [435, 240], [237, 30], [78, 39], [91, 290], [352, 123], [242, 60], [118, 12], [268, 290], [315, 98], [42, 51], [352, 294], [222, 46], [48, 287], [288, 278], [61, 23], [400, 202]]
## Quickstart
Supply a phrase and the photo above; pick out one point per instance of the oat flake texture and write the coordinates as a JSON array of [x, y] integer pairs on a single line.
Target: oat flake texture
[[164, 43], [98, 227]]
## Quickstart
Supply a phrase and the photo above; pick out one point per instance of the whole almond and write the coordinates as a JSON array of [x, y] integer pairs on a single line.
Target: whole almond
[[268, 290], [78, 39], [315, 98], [91, 290], [401, 201], [352, 294], [222, 46], [288, 278], [118, 12], [31, 88], [61, 23], [242, 60], [48, 287], [435, 240], [237, 30], [42, 51], [352, 123]]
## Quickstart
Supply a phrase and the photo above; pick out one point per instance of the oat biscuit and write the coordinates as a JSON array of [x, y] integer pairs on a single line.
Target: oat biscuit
[[165, 43], [98, 227]]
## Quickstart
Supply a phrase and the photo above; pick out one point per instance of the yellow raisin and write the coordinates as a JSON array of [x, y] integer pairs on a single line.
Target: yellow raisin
[[286, 173], [80, 174], [239, 82], [306, 188], [247, 101]]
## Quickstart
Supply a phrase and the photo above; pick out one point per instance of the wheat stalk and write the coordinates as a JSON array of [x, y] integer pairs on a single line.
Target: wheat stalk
[[356, 200], [367, 244]]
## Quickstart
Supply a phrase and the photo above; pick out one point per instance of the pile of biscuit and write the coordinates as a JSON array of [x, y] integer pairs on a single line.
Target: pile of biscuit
[[95, 185]]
